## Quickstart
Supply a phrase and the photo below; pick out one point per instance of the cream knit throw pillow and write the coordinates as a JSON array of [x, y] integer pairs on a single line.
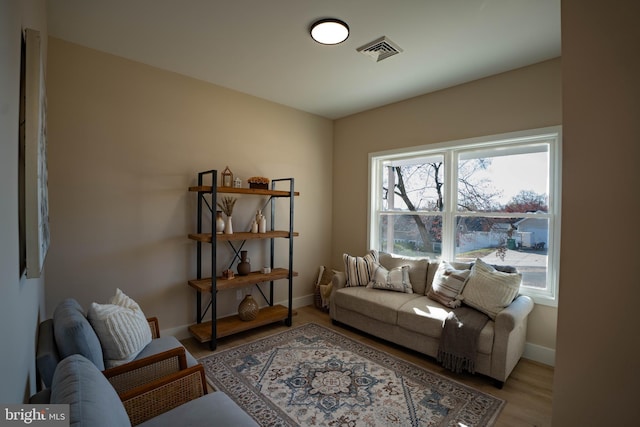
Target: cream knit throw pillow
[[122, 328], [489, 290]]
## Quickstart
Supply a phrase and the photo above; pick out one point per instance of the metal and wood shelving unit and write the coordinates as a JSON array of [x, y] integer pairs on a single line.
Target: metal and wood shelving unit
[[209, 331]]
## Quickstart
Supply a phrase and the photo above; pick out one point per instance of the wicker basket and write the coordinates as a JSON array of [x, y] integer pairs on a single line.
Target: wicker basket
[[324, 278]]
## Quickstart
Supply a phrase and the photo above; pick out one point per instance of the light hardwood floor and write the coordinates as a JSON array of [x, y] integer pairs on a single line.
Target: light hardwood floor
[[527, 391]]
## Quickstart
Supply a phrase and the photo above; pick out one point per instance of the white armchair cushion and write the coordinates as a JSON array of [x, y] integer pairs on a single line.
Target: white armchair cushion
[[122, 328]]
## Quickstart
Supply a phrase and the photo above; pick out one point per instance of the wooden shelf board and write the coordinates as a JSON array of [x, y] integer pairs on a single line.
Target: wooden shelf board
[[233, 190], [206, 237], [232, 324], [204, 285]]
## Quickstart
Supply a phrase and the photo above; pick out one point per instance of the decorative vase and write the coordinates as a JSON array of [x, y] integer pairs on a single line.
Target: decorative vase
[[219, 222], [228, 227], [262, 227], [244, 266], [248, 308]]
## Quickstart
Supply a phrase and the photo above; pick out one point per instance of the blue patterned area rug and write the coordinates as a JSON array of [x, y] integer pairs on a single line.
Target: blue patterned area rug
[[313, 376]]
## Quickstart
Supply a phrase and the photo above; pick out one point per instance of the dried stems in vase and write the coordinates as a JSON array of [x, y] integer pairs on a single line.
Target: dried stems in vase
[[226, 205]]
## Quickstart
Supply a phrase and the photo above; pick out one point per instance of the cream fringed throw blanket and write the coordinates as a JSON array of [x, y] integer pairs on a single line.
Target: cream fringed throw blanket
[[459, 341]]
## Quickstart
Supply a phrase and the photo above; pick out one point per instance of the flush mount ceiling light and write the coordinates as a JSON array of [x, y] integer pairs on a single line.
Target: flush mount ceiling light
[[329, 31]]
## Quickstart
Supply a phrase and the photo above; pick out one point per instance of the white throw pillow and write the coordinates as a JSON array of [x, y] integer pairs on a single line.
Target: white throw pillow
[[396, 279], [489, 290], [122, 328], [358, 270]]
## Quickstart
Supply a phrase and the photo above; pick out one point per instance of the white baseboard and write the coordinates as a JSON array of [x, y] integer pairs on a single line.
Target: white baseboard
[[182, 332], [540, 354]]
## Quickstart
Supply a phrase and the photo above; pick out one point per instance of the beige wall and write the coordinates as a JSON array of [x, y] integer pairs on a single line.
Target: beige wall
[[21, 300], [126, 141], [597, 375], [523, 99]]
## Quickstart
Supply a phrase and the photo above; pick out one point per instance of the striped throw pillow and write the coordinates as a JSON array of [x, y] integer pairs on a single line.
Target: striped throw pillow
[[448, 284], [359, 270]]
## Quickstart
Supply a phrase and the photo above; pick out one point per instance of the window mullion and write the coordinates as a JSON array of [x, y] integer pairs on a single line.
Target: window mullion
[[450, 197]]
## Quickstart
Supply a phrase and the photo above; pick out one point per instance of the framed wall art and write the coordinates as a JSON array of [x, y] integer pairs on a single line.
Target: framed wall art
[[36, 195]]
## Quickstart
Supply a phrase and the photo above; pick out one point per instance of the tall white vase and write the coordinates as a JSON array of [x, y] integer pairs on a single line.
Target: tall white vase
[[228, 227]]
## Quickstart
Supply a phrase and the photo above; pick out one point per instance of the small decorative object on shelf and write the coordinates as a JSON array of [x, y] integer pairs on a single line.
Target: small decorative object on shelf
[[261, 228], [258, 182], [237, 183], [227, 177], [219, 222], [244, 266], [226, 204], [248, 308], [228, 274], [254, 227]]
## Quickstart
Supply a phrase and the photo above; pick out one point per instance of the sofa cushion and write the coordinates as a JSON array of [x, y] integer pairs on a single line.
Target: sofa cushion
[[448, 284], [425, 316], [489, 290], [374, 303], [358, 270], [211, 409], [122, 328], [396, 279], [74, 334], [418, 268], [92, 401], [161, 344]]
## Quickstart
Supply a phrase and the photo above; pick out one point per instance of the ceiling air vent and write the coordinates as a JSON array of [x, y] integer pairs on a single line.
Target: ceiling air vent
[[380, 49]]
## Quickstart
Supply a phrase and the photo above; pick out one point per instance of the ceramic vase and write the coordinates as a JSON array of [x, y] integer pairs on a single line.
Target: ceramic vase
[[228, 227], [248, 308], [219, 222], [244, 266]]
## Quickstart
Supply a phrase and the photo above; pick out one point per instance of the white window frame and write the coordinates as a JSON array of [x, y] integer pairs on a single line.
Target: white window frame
[[450, 150]]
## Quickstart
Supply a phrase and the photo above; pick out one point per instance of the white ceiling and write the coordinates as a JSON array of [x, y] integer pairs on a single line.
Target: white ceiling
[[263, 48]]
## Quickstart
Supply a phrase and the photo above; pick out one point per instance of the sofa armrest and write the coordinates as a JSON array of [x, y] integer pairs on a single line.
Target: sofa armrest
[[516, 312], [150, 400], [339, 280], [146, 370], [155, 327], [510, 333], [47, 356]]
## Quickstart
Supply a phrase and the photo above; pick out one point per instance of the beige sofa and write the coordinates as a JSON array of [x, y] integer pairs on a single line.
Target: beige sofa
[[415, 321]]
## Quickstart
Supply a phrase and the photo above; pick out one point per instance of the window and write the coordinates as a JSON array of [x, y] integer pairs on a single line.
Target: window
[[495, 198]]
